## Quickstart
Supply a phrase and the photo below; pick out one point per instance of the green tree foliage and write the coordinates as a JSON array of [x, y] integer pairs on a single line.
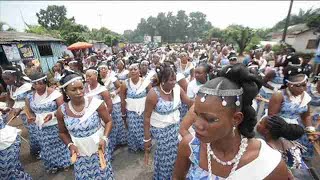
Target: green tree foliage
[[215, 33], [314, 22], [301, 17], [172, 28], [2, 27], [240, 35], [37, 29], [53, 21], [53, 17]]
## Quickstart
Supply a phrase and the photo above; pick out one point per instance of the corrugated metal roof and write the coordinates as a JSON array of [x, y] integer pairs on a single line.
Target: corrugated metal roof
[[293, 30], [9, 36]]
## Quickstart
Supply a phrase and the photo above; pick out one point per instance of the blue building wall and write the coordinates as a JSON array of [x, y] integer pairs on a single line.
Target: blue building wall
[[47, 62]]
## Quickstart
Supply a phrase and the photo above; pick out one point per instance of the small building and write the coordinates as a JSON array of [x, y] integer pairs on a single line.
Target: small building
[[300, 37], [18, 46]]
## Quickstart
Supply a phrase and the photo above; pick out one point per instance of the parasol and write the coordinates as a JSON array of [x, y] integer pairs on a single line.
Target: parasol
[[79, 45]]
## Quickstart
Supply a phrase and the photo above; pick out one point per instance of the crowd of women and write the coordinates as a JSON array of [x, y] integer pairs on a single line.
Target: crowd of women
[[196, 104]]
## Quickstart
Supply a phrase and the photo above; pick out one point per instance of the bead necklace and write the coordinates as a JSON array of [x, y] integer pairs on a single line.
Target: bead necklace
[[235, 161], [81, 113], [166, 93]]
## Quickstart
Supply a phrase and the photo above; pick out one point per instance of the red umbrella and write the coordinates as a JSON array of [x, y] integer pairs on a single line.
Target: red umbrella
[[80, 45]]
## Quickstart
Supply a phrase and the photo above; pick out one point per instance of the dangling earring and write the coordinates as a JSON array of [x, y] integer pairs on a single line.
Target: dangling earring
[[233, 130]]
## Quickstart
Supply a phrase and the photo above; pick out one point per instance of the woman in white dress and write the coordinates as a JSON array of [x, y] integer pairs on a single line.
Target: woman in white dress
[[224, 147]]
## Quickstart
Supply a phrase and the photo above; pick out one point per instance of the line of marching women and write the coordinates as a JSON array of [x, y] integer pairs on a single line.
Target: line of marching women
[[196, 105]]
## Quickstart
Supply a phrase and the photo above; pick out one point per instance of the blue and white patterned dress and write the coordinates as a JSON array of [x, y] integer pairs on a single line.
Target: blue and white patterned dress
[[134, 120], [118, 135], [291, 112], [96, 93], [315, 111], [166, 140], [87, 167], [266, 93], [54, 152], [32, 128], [10, 165]]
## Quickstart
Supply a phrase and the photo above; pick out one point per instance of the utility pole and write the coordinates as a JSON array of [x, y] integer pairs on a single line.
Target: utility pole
[[287, 23], [100, 15]]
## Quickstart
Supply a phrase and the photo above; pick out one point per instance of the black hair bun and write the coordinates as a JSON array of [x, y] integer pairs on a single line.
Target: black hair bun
[[241, 75]]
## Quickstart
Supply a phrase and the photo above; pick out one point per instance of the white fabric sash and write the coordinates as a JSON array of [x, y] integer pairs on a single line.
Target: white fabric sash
[[136, 105], [146, 82], [179, 76], [40, 120], [96, 91], [19, 104], [162, 121], [176, 96], [116, 99], [22, 89], [53, 96], [8, 136], [88, 145], [93, 106], [306, 99], [268, 158]]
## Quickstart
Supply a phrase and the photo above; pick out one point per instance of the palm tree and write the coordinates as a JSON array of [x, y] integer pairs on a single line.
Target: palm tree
[[299, 18]]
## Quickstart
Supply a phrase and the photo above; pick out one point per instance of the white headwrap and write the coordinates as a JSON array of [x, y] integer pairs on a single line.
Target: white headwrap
[[71, 81], [39, 79]]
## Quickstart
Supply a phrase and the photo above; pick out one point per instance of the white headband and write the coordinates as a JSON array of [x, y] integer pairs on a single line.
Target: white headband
[[92, 70], [9, 71], [44, 77], [304, 79], [102, 66], [73, 62], [134, 65], [295, 65], [71, 81]]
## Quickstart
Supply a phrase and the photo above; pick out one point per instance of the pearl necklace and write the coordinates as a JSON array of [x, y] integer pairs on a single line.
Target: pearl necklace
[[166, 93], [81, 113], [235, 161]]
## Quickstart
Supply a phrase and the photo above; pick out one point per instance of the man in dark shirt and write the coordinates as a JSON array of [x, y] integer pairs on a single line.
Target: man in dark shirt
[[306, 67]]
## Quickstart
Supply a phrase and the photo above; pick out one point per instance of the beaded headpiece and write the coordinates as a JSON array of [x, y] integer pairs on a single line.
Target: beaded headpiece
[[78, 78], [39, 79], [9, 71], [298, 82], [221, 93]]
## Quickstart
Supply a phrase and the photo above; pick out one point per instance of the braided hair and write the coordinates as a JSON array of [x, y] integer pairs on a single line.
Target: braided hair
[[278, 127], [234, 77], [165, 70]]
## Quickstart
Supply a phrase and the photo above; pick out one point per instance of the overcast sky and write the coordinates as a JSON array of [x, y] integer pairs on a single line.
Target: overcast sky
[[119, 15]]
